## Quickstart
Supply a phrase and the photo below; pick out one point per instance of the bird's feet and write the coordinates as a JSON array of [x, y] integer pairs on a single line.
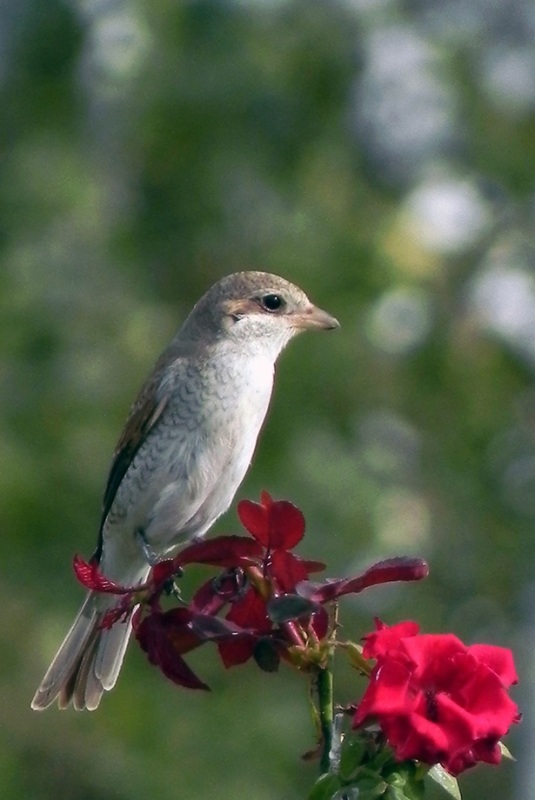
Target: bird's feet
[[231, 583], [151, 556]]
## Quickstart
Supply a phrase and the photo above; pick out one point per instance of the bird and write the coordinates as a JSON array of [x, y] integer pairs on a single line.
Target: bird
[[184, 451]]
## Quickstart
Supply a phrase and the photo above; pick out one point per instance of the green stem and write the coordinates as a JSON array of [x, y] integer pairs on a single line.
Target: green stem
[[324, 683]]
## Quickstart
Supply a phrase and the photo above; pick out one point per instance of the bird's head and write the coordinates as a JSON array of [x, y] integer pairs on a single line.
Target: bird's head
[[256, 309]]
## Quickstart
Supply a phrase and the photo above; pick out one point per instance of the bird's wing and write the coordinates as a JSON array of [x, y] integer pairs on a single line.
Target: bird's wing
[[144, 415]]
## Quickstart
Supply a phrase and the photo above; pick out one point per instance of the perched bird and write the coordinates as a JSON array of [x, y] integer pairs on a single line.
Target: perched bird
[[183, 453]]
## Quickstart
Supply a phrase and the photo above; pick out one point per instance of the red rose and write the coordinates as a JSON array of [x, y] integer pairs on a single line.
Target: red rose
[[437, 700]]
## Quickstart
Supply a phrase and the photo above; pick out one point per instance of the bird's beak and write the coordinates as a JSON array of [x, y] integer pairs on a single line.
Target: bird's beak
[[314, 317]]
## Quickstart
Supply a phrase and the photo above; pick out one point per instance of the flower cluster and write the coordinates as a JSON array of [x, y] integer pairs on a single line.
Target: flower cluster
[[272, 608], [437, 700]]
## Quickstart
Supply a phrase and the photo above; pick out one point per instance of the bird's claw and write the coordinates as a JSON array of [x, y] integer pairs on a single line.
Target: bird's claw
[[232, 581], [152, 558]]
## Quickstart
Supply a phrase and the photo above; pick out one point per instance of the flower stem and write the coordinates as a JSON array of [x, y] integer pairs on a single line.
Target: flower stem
[[324, 683]]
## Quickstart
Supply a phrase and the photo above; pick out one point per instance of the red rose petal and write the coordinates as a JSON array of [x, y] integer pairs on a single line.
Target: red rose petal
[[498, 659]]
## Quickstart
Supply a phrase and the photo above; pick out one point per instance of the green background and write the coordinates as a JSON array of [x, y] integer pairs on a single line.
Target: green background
[[381, 155]]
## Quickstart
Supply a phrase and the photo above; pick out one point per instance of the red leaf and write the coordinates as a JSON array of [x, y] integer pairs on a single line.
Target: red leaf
[[217, 592], [163, 571], [311, 566], [248, 613], [255, 519], [320, 623], [266, 499], [119, 613], [164, 637], [287, 569], [388, 571], [207, 600], [89, 575], [277, 525], [177, 626], [286, 525], [223, 551], [236, 652]]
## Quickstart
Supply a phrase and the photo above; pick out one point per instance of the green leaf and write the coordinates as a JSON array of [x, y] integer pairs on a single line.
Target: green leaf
[[446, 781], [289, 607], [266, 656], [404, 784], [325, 787], [369, 789], [356, 658], [382, 757], [353, 751], [396, 793], [370, 784], [348, 793]]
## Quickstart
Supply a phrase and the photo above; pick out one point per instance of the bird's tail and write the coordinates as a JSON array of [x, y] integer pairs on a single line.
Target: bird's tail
[[88, 662]]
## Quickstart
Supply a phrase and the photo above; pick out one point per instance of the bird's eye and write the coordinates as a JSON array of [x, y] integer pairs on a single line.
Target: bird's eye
[[271, 302]]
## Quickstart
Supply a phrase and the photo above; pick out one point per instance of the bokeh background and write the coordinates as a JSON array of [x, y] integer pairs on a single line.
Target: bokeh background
[[379, 153]]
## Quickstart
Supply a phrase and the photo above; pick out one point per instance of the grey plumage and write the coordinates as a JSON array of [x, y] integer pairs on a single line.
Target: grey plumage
[[186, 446]]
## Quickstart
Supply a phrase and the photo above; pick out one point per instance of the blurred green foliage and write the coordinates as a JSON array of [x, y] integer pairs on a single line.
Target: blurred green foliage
[[382, 156]]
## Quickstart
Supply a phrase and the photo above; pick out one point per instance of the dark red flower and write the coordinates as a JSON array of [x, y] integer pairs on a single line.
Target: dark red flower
[[278, 526], [165, 637], [437, 700], [273, 610], [249, 612]]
